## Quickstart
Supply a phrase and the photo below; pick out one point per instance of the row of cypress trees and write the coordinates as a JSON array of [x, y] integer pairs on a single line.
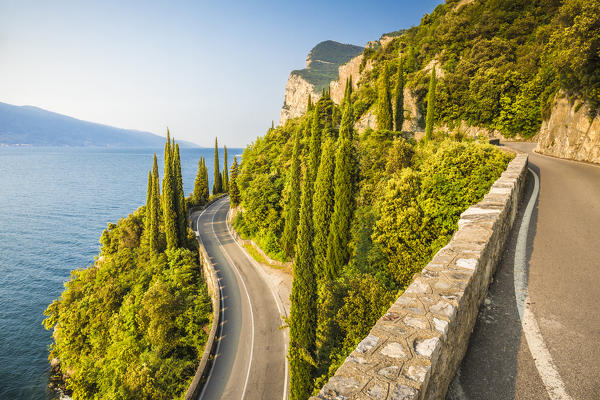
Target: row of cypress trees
[[392, 117], [222, 183], [169, 206], [318, 215]]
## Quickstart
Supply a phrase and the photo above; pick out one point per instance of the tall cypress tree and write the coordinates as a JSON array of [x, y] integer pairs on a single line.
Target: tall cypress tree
[[384, 105], [323, 204], [225, 171], [303, 298], [179, 197], [148, 200], [430, 106], [399, 98], [234, 190], [217, 188], [292, 207], [154, 208], [344, 179], [169, 203], [309, 105], [148, 216], [315, 144], [200, 196]]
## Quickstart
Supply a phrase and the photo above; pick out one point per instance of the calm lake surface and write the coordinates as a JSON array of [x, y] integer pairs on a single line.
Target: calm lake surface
[[54, 204]]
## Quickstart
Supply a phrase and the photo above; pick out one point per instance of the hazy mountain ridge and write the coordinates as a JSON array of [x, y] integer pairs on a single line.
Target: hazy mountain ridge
[[34, 126]]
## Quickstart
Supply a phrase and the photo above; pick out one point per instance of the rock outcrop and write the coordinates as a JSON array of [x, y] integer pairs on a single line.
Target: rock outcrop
[[321, 68], [295, 101], [349, 70], [569, 132]]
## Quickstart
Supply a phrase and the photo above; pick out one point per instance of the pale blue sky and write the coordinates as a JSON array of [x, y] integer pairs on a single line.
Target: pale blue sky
[[204, 69]]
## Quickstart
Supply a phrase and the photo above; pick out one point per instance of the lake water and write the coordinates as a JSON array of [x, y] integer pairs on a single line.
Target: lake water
[[54, 204]]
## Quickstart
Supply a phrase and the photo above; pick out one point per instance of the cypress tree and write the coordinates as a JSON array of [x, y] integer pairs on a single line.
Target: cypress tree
[[179, 197], [309, 105], [292, 207], [430, 106], [169, 203], [154, 208], [148, 200], [148, 216], [303, 309], [384, 105], [217, 171], [234, 190], [344, 179], [399, 98], [225, 171], [315, 145], [200, 195], [323, 204]]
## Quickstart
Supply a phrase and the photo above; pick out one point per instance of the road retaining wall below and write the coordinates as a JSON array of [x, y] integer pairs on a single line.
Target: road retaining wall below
[[212, 283], [414, 350]]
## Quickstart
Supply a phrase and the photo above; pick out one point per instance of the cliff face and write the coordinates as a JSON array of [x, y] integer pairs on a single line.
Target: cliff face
[[321, 68], [295, 101], [569, 132]]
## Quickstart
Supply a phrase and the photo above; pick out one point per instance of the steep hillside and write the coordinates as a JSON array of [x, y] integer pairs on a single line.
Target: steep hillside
[[502, 67], [321, 68], [27, 125]]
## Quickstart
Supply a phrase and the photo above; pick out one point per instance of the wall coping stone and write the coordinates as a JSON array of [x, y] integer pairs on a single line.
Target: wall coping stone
[[415, 349]]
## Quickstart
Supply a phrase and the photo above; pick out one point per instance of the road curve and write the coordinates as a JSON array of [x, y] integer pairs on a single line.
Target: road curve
[[548, 347], [251, 354]]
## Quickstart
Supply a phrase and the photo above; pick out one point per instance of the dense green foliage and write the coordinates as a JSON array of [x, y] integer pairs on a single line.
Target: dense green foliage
[[133, 325], [500, 61], [398, 202]]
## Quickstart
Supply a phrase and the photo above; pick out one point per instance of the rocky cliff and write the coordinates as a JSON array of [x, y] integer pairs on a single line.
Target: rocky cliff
[[569, 132], [321, 68]]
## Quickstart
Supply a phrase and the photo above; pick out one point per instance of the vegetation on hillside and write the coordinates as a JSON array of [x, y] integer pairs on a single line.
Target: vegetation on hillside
[[500, 62], [133, 325], [358, 214]]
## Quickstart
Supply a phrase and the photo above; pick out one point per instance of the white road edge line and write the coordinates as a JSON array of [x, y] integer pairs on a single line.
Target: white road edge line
[[247, 295], [221, 317], [541, 356], [277, 302]]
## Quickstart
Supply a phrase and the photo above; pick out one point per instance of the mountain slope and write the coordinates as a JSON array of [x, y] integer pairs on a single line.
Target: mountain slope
[[27, 125]]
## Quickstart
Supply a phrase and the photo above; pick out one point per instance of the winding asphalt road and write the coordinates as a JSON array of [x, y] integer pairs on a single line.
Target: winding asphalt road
[[251, 352], [537, 335]]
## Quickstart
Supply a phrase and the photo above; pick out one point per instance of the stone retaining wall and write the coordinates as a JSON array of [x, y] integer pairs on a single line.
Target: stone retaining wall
[[212, 283], [414, 350]]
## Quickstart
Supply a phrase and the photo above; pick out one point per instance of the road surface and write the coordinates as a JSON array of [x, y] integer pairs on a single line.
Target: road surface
[[538, 334], [251, 354]]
